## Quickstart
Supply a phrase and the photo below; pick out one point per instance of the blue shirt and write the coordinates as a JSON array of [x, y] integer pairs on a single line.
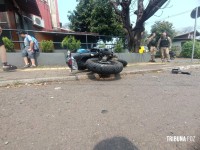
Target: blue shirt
[[28, 39]]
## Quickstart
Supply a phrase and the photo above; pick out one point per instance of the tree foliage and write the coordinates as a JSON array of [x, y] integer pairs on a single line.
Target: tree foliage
[[119, 47], [160, 26], [95, 16], [80, 18], [9, 45], [47, 46], [70, 43], [104, 20], [187, 49]]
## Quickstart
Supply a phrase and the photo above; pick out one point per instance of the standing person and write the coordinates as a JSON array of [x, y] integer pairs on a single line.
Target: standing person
[[152, 46], [31, 46], [164, 44], [6, 66]]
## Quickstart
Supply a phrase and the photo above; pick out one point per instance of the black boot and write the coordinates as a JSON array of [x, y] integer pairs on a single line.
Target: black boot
[[8, 67]]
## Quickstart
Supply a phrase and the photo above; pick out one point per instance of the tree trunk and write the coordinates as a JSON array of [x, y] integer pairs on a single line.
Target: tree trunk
[[137, 40], [134, 40], [134, 35]]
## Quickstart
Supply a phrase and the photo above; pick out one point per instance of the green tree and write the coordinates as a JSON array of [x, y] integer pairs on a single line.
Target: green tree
[[161, 26], [9, 45], [143, 12], [47, 46], [80, 18], [70, 43], [96, 16], [119, 47], [104, 20], [187, 49]]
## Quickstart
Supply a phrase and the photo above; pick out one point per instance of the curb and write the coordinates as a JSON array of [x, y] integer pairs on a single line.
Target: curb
[[37, 80], [185, 67], [89, 76]]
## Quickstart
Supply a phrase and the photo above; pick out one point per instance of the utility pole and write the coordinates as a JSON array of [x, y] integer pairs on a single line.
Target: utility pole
[[195, 30]]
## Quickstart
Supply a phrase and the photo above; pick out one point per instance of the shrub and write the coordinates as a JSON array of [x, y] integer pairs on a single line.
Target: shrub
[[70, 43], [119, 48], [176, 50], [9, 45], [47, 46], [187, 49]]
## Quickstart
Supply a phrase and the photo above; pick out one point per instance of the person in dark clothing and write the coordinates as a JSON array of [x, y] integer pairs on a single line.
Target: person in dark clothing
[[6, 66], [152, 46], [164, 44]]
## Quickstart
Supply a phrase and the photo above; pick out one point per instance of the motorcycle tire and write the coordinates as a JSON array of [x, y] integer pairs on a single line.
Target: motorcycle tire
[[113, 67], [123, 62]]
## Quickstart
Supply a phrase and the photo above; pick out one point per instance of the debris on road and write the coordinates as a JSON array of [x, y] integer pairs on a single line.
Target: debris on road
[[177, 71], [104, 111], [57, 88]]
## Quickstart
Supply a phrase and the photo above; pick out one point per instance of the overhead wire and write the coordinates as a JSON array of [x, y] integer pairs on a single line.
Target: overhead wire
[[171, 16]]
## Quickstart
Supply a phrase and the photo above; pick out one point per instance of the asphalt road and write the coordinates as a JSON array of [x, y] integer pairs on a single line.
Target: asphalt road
[[137, 112]]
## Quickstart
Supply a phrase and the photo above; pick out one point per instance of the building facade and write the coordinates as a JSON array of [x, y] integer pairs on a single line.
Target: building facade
[[40, 18], [179, 40], [49, 15], [30, 15]]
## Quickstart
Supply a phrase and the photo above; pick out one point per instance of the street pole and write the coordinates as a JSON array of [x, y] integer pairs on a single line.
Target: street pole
[[194, 37], [86, 41]]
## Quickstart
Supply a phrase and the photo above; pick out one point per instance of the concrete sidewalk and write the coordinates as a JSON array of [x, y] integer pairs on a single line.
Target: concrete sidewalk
[[62, 73]]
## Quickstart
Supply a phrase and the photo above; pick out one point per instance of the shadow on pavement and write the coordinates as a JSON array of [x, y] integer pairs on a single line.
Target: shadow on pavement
[[115, 143], [97, 77]]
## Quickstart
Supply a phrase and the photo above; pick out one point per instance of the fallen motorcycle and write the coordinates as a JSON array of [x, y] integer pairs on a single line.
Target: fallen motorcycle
[[100, 61]]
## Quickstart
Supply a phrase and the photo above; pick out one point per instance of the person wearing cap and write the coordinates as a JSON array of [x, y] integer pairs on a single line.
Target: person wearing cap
[[6, 66], [164, 44], [31, 46]]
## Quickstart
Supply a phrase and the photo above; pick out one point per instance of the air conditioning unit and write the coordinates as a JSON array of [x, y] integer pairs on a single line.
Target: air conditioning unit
[[38, 21]]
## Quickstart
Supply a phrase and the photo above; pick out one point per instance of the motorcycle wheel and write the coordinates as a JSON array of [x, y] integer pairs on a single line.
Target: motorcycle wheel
[[123, 62], [110, 67]]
